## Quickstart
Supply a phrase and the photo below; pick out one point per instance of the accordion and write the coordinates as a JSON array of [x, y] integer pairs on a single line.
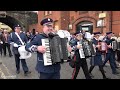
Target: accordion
[[81, 51], [118, 43], [87, 49], [114, 45], [56, 50]]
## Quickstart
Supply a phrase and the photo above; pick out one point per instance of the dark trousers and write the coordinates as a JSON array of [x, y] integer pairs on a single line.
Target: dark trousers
[[110, 58], [118, 56], [49, 75], [17, 62], [114, 54], [6, 45], [1, 46], [100, 68], [84, 66]]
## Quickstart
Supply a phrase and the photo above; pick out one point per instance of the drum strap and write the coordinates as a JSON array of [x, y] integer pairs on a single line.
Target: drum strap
[[19, 38]]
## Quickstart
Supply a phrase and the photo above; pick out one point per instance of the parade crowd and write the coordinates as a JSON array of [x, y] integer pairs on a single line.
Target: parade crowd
[[101, 51]]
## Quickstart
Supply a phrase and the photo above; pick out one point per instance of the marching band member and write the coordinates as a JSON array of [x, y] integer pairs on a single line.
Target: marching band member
[[113, 36], [80, 62], [50, 71], [109, 54], [45, 72], [1, 46], [115, 51], [15, 42], [97, 59], [102, 36], [118, 51]]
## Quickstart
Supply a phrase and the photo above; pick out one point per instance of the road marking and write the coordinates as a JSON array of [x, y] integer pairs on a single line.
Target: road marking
[[6, 69], [9, 76], [2, 74]]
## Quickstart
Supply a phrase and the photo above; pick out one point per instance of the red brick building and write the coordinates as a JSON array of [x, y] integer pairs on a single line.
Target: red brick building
[[61, 19], [102, 21]]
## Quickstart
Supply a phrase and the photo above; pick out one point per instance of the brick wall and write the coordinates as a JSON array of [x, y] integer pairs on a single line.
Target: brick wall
[[116, 22], [63, 17]]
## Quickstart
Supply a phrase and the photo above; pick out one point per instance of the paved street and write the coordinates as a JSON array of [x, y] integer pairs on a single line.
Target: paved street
[[7, 70]]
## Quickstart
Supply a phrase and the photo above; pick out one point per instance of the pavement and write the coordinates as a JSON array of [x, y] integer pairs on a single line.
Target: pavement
[[7, 70]]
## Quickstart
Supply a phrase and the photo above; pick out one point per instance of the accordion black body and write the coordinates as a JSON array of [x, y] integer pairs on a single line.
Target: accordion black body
[[88, 48], [114, 45], [57, 49], [118, 44]]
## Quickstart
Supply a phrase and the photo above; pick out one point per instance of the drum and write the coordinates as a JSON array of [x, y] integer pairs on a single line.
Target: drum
[[23, 53]]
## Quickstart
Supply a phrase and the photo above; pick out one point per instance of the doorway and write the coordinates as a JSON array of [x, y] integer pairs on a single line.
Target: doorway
[[85, 25]]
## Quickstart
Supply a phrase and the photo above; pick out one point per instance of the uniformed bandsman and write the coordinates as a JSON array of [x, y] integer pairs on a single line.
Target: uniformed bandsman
[[45, 72], [15, 42], [79, 62], [97, 59], [110, 53]]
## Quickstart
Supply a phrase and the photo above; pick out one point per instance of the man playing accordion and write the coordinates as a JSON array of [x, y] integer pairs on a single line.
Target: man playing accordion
[[110, 53], [50, 71], [80, 59], [97, 59]]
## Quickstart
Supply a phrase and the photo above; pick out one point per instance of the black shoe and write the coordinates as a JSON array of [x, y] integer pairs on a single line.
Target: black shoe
[[10, 55], [104, 71], [106, 78], [26, 73], [117, 67], [91, 75], [116, 73], [17, 71]]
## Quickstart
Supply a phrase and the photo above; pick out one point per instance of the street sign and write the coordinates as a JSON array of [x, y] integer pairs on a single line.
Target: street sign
[[102, 15], [100, 23]]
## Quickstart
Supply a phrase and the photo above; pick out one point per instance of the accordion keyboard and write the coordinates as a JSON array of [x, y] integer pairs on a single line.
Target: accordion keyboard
[[81, 52], [46, 55]]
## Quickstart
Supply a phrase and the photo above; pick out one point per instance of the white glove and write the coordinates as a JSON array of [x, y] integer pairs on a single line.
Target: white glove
[[1, 42], [15, 45]]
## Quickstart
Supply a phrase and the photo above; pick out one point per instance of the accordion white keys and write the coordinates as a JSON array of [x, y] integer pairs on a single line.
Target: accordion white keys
[[56, 50], [81, 52], [46, 55]]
